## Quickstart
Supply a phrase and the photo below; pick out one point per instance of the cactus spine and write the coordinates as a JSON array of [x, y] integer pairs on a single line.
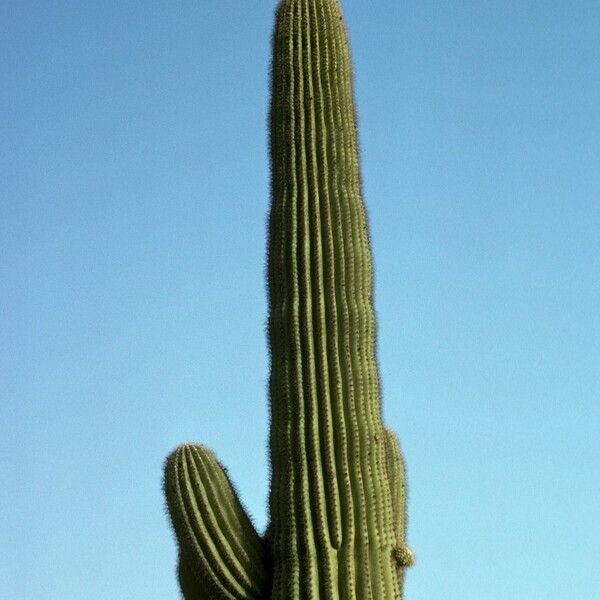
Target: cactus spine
[[337, 501]]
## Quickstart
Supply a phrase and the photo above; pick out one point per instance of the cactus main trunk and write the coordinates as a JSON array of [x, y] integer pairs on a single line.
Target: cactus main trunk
[[337, 498], [332, 523]]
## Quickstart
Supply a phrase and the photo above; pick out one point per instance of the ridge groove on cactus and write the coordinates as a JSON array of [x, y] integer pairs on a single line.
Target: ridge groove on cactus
[[337, 518]]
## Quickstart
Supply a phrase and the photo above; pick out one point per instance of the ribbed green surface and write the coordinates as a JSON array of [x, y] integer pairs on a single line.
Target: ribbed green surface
[[337, 498], [331, 506], [397, 478], [221, 555]]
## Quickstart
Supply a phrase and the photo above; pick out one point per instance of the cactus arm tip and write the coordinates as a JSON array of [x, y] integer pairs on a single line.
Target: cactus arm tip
[[221, 554]]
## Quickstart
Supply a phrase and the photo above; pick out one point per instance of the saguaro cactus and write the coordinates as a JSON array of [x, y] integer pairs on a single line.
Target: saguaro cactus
[[337, 497]]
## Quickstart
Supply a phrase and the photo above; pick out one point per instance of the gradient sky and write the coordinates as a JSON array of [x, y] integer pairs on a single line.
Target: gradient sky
[[133, 199]]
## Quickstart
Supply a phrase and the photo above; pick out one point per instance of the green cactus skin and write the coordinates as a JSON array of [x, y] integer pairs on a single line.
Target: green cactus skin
[[337, 499], [221, 555]]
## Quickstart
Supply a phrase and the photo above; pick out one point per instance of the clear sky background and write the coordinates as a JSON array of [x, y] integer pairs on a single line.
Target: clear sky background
[[134, 191]]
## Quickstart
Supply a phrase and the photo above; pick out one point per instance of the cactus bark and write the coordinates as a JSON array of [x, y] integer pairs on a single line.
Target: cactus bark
[[337, 496]]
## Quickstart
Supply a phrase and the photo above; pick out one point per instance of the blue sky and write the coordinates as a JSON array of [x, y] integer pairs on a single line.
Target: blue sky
[[133, 199]]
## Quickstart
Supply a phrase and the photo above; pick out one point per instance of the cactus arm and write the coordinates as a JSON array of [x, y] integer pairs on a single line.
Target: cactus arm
[[221, 555], [397, 477]]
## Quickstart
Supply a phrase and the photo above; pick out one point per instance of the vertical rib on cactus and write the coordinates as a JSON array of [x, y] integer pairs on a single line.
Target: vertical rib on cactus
[[336, 503], [332, 523]]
